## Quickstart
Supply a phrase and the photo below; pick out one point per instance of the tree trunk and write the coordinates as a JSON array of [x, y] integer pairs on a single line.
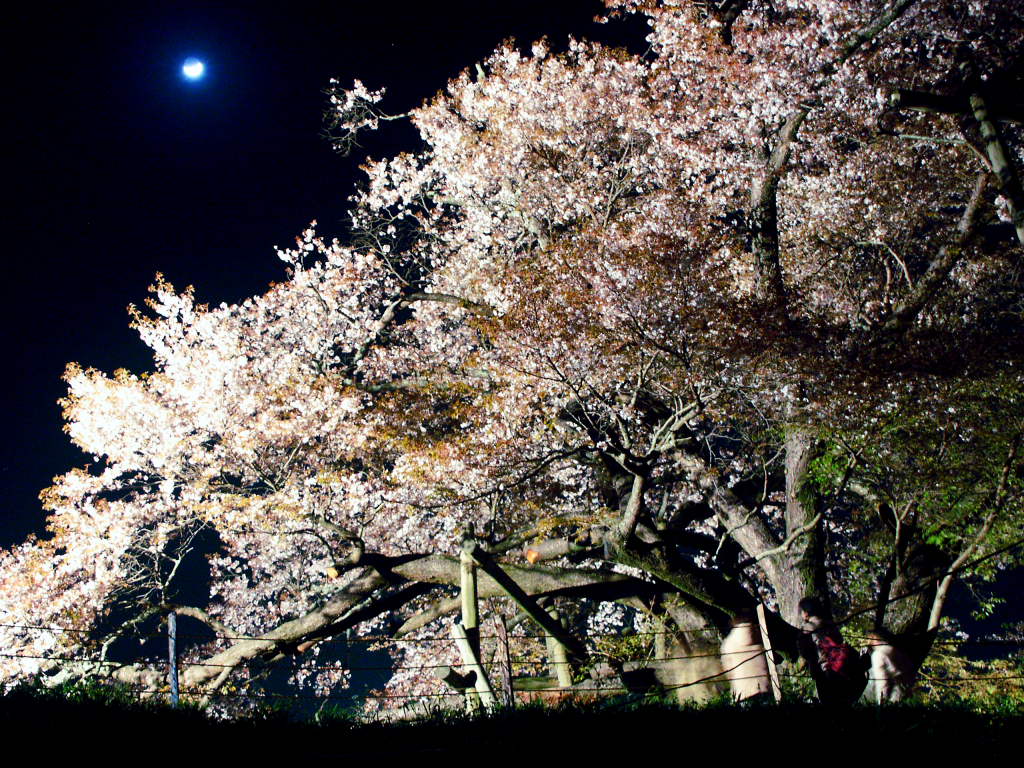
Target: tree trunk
[[801, 566], [908, 601]]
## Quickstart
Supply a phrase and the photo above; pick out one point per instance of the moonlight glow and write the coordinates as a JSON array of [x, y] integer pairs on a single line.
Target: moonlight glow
[[193, 68]]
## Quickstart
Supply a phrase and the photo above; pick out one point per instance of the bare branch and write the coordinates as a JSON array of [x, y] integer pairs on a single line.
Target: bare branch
[[924, 292], [786, 545]]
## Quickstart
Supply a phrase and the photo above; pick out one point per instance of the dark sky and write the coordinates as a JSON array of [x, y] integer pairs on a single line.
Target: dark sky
[[117, 168]]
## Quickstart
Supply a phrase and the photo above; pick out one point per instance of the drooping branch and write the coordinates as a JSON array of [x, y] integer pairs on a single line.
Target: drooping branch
[[443, 569], [363, 583], [619, 588], [650, 552], [124, 629], [369, 609], [358, 601], [433, 612]]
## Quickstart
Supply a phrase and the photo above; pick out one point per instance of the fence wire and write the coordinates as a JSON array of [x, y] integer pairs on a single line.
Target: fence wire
[[723, 676]]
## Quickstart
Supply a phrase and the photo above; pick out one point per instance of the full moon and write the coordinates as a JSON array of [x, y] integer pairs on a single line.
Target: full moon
[[193, 68]]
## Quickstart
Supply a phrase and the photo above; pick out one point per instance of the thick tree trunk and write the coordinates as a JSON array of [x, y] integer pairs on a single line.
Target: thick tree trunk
[[905, 603], [801, 565], [693, 669]]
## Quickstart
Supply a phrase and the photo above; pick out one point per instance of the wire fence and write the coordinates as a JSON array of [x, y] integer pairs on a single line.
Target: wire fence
[[367, 639], [723, 676]]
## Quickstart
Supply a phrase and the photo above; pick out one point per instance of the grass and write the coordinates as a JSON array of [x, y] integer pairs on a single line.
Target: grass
[[81, 720]]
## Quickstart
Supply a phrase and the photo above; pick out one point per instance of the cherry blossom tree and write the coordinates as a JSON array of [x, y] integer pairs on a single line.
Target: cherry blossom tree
[[735, 321]]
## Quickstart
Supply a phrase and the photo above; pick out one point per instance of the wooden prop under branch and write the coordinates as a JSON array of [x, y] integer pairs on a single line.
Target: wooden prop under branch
[[554, 628]]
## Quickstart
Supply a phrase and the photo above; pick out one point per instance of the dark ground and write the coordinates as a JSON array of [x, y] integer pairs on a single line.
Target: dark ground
[[791, 734]]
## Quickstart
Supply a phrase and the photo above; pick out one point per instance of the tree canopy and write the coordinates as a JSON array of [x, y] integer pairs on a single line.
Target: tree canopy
[[735, 321]]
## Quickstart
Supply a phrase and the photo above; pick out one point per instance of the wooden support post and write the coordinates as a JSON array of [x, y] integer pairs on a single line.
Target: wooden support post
[[557, 656], [769, 657], [470, 611], [172, 655], [467, 570], [660, 640], [504, 659], [471, 662], [527, 603]]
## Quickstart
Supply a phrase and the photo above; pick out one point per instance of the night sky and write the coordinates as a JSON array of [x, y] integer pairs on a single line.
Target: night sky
[[117, 167]]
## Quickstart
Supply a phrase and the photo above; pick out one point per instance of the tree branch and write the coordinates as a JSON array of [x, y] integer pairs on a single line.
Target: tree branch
[[200, 615], [744, 526], [786, 545], [447, 298], [764, 214], [998, 500], [999, 163], [390, 312], [633, 508], [601, 585], [861, 37], [922, 101], [924, 292], [763, 218], [363, 583]]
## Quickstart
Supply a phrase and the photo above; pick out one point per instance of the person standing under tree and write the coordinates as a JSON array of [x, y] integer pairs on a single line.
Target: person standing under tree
[[836, 668]]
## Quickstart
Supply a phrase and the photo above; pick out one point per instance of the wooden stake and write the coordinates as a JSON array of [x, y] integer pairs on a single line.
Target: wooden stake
[[660, 641], [470, 613], [471, 663], [504, 659], [172, 655], [527, 603], [557, 656], [769, 657]]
